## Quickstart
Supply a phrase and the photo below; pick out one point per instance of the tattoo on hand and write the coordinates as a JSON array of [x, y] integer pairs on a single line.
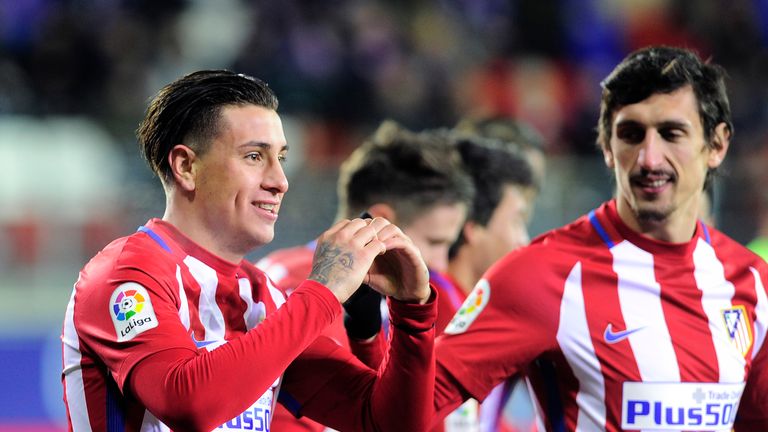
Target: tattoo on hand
[[329, 257]]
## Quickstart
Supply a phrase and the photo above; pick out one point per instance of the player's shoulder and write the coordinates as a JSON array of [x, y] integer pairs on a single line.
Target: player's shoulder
[[548, 260], [132, 253], [731, 251], [567, 243]]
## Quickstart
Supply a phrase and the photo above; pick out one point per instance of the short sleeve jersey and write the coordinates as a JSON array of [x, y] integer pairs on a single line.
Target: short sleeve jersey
[[616, 331]]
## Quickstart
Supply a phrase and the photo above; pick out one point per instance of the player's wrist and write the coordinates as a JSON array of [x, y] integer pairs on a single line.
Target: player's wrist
[[362, 314], [420, 296]]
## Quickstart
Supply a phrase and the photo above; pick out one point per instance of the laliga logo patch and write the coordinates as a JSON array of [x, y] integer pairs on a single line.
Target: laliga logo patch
[[131, 311], [738, 327], [470, 309]]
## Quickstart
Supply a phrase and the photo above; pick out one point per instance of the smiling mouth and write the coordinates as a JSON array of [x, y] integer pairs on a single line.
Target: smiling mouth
[[272, 208], [652, 182], [655, 184]]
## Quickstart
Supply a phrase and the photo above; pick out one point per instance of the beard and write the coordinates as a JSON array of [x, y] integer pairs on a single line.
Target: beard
[[647, 213], [650, 216]]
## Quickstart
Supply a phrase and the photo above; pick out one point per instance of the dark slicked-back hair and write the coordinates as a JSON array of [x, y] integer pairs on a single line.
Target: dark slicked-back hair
[[187, 111], [663, 69], [493, 165], [408, 171]]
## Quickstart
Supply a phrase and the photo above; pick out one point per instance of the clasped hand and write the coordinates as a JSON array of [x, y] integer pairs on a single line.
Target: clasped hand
[[373, 251]]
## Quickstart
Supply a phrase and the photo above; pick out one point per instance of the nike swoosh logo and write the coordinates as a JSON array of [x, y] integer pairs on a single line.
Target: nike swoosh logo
[[613, 337], [200, 344]]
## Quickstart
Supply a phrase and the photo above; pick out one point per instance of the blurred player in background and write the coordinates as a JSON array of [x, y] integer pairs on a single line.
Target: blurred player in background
[[508, 407], [170, 328], [637, 316], [496, 224], [415, 180]]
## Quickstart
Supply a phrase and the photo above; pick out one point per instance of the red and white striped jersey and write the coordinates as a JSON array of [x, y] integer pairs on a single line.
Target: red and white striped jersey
[[159, 328], [288, 268], [617, 331]]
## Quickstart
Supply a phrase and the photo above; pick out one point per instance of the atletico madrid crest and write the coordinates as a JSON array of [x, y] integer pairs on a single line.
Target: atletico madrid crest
[[739, 329]]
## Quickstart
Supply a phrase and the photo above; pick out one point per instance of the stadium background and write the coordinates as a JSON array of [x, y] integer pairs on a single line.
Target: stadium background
[[75, 76]]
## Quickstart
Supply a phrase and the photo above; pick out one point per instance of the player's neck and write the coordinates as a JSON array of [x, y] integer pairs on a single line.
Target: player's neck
[[460, 268], [194, 229]]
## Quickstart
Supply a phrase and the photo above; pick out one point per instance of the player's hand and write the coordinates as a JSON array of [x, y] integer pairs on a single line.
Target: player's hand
[[400, 272], [345, 253]]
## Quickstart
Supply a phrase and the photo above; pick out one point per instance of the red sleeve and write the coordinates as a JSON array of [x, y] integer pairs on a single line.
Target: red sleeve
[[498, 331], [184, 388], [753, 407], [372, 352], [328, 384]]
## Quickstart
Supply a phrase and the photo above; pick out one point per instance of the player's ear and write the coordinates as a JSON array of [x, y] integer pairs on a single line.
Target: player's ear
[[469, 231], [608, 156], [181, 160], [383, 210], [721, 140]]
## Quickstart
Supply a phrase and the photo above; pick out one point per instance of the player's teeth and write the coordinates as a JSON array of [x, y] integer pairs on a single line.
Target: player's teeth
[[268, 207]]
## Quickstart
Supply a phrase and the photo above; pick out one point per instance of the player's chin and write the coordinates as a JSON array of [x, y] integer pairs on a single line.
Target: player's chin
[[261, 235], [652, 211]]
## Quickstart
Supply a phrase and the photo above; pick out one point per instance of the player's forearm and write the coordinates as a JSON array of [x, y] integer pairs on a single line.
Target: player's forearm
[[191, 391], [406, 382]]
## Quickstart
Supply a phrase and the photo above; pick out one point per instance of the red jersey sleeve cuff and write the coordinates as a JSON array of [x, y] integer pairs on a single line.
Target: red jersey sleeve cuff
[[414, 317], [320, 294]]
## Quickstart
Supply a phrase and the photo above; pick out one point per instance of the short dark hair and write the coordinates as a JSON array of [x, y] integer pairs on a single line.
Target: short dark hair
[[663, 69], [406, 170], [188, 111], [513, 132], [510, 133], [493, 165]]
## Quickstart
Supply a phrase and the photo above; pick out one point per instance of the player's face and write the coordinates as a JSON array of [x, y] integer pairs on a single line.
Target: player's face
[[506, 231], [434, 231], [660, 160], [241, 182]]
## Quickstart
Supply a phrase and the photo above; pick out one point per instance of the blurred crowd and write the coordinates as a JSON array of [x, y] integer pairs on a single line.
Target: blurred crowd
[[341, 66], [347, 64]]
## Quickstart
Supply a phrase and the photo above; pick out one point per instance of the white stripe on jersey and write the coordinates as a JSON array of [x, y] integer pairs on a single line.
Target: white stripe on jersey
[[209, 312], [73, 372], [150, 423], [640, 301], [580, 354], [275, 271], [277, 295], [251, 315], [540, 415], [716, 296], [761, 314], [184, 308]]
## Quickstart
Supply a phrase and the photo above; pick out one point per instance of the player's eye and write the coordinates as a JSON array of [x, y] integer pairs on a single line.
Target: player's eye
[[671, 134], [254, 156], [631, 134]]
